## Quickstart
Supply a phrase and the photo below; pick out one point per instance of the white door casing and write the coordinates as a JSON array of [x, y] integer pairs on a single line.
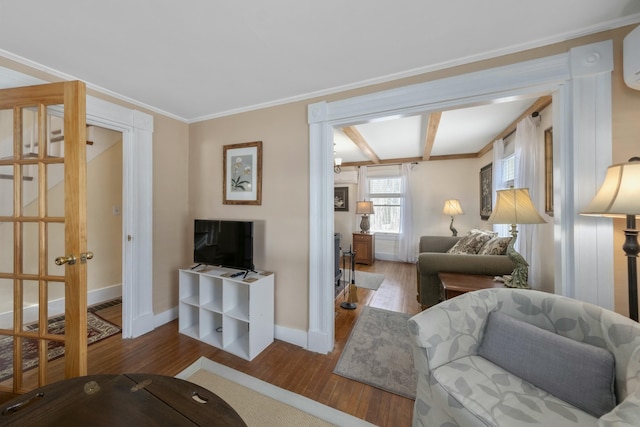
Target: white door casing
[[580, 81], [137, 210]]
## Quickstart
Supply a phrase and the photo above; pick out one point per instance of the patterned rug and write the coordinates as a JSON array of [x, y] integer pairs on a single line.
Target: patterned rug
[[97, 330], [379, 352]]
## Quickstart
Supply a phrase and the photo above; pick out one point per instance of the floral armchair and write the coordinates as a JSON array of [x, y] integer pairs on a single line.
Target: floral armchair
[[459, 387]]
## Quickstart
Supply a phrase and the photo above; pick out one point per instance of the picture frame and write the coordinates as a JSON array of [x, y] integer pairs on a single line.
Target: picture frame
[[341, 199], [242, 174], [548, 171], [486, 191]]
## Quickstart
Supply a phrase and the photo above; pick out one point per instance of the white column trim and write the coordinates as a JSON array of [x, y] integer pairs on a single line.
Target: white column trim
[[591, 68], [553, 74]]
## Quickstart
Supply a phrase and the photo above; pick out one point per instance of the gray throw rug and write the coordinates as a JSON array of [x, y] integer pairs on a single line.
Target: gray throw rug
[[379, 352]]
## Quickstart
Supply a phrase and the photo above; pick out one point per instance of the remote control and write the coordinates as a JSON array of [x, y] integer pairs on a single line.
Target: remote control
[[240, 273]]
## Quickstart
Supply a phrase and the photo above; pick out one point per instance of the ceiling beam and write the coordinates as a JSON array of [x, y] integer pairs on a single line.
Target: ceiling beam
[[361, 143], [540, 104], [411, 160], [432, 130]]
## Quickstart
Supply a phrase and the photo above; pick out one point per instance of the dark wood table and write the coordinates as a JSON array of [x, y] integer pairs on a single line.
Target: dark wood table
[[454, 284], [119, 400]]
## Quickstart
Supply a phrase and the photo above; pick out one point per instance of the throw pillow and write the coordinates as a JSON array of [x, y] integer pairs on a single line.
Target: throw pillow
[[495, 246], [472, 242], [578, 373]]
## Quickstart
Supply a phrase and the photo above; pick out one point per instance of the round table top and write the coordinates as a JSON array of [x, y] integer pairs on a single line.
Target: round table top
[[122, 400]]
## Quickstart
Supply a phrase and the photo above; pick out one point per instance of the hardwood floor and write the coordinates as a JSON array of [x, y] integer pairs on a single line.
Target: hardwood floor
[[165, 351]]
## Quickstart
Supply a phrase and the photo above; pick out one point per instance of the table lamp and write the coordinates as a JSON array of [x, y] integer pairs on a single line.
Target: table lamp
[[619, 197], [452, 207], [366, 209], [514, 206]]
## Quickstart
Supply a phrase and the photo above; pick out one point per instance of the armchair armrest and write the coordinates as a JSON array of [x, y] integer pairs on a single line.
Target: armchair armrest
[[451, 329], [626, 414]]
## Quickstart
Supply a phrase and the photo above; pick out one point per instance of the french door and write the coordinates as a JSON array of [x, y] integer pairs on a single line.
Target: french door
[[43, 235]]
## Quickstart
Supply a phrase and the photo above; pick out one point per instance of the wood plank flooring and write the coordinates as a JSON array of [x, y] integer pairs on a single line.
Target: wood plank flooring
[[165, 351]]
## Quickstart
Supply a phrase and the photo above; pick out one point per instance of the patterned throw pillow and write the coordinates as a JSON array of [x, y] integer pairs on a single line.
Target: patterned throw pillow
[[472, 242], [495, 246]]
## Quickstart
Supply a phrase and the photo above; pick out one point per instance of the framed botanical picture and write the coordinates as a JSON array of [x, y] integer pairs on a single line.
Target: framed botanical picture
[[486, 191], [341, 199], [242, 170]]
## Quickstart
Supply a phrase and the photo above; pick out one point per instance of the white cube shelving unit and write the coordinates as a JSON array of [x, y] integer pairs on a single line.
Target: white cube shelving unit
[[234, 314]]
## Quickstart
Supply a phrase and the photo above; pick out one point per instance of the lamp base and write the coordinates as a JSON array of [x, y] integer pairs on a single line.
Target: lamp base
[[348, 305], [364, 224], [454, 232], [520, 274]]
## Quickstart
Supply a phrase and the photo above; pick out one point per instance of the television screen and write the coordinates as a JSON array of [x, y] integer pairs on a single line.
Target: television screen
[[223, 243]]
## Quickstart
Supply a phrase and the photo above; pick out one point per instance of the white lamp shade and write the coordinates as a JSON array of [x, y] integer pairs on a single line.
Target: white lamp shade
[[514, 206], [364, 207], [452, 207], [619, 194]]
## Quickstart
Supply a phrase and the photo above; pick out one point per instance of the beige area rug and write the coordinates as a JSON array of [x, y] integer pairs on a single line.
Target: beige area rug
[[262, 404], [364, 279], [379, 352]]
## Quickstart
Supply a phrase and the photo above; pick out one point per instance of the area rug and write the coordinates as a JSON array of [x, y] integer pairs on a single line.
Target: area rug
[[364, 279], [262, 404], [379, 352], [97, 330]]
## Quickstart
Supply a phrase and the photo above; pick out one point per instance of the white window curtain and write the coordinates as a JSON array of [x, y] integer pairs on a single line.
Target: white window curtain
[[406, 246], [527, 162], [498, 182]]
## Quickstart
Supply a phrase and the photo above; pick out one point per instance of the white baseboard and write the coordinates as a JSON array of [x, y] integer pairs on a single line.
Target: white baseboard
[[56, 307], [292, 336], [165, 317]]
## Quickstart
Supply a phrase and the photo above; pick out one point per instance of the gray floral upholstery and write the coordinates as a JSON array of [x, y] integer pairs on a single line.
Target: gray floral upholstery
[[456, 387], [495, 246], [472, 242]]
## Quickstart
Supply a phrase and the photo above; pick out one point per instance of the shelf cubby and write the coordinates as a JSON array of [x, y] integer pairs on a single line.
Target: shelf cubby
[[231, 313]]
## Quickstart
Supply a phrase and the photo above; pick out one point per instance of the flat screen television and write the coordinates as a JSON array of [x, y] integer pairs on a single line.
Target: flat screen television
[[223, 243]]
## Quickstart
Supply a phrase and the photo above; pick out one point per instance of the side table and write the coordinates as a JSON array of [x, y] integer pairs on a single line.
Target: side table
[[364, 245], [454, 284], [119, 400]]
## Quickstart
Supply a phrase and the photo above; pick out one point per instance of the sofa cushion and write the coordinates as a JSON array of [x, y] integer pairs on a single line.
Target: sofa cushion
[[474, 388], [495, 246], [578, 373], [472, 242]]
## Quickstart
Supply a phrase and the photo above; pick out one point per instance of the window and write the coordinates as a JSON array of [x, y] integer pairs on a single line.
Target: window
[[509, 171], [386, 195]]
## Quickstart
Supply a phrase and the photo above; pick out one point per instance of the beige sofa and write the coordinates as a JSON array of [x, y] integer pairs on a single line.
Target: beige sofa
[[432, 259]]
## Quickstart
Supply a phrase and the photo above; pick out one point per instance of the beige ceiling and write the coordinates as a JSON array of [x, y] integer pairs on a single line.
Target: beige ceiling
[[200, 59]]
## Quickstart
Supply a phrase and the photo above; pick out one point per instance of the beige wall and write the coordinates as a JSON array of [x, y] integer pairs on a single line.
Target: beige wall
[[104, 229], [172, 240], [283, 131]]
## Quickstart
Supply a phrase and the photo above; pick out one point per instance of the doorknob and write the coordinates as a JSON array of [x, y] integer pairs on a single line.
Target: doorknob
[[85, 256], [66, 260]]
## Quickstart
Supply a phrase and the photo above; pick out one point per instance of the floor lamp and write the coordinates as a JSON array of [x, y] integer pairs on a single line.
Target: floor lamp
[[619, 197], [514, 206]]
